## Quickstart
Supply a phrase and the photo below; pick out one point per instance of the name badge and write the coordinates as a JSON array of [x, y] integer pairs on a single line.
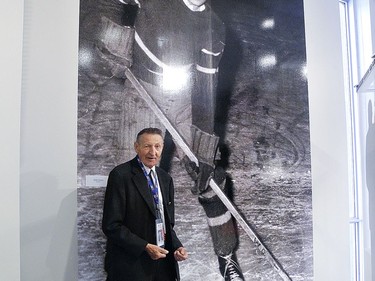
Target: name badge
[[159, 233]]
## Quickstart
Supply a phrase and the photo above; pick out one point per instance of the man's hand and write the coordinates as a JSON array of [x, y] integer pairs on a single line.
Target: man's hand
[[180, 254], [201, 175], [156, 252]]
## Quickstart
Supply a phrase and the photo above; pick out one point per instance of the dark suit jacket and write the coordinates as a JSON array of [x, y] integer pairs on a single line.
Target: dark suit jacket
[[129, 223]]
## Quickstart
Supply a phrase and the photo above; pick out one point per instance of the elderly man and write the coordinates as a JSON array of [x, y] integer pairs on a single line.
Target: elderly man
[[138, 217]]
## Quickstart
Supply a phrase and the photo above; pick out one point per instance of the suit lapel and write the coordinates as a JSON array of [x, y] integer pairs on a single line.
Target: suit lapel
[[165, 192], [163, 188], [140, 182]]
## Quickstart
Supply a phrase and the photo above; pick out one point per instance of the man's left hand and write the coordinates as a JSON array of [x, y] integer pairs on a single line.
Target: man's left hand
[[180, 254]]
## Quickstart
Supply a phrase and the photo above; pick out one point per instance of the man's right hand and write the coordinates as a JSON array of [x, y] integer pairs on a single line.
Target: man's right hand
[[201, 175], [156, 252]]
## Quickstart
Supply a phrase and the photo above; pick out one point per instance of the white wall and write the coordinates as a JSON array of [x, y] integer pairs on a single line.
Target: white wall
[[10, 106], [328, 141], [48, 141], [372, 12]]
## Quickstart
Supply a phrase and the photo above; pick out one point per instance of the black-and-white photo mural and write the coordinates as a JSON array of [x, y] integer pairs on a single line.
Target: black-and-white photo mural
[[226, 82]]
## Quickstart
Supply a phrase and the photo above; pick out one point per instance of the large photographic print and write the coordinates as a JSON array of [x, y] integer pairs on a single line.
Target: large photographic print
[[230, 78]]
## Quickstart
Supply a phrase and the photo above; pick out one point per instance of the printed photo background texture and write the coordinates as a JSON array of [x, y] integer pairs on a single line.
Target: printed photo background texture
[[262, 115]]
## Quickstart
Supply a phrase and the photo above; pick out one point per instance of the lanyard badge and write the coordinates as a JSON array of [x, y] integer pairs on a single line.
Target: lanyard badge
[[159, 225]]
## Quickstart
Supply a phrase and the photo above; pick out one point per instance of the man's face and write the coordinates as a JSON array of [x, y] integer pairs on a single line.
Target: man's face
[[149, 148]]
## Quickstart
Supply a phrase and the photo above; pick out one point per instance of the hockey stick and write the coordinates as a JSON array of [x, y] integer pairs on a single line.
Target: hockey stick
[[179, 140]]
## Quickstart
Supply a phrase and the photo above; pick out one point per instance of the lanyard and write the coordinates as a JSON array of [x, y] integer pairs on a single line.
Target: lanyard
[[159, 222], [153, 186]]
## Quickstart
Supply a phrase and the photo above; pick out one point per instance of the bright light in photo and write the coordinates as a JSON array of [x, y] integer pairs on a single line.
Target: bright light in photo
[[304, 70], [268, 23], [175, 78], [85, 57], [267, 61]]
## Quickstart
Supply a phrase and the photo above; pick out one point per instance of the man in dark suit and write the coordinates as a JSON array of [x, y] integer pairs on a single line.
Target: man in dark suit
[[138, 217]]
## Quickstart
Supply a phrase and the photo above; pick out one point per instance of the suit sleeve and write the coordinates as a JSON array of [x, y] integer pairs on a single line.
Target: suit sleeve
[[113, 217]]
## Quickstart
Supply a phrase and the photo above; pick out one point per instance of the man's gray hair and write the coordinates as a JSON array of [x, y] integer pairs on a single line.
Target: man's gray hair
[[151, 131]]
